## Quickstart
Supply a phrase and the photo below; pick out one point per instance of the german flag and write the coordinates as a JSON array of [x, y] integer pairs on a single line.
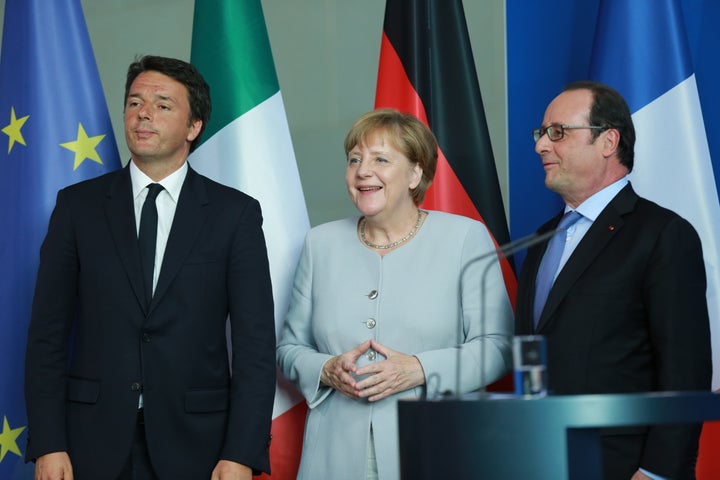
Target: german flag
[[427, 69]]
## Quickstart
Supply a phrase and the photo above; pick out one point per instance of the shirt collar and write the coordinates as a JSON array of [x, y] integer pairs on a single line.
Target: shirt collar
[[597, 202], [172, 183]]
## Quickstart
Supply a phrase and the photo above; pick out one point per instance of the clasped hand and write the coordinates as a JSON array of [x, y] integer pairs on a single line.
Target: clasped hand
[[398, 372]]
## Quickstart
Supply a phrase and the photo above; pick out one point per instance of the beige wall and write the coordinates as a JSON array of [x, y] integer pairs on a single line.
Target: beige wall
[[326, 53]]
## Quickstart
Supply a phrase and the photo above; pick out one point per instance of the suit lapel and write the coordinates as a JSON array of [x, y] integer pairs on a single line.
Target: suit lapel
[[120, 215], [190, 215], [604, 228]]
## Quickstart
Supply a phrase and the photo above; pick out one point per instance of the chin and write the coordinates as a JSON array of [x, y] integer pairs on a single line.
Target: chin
[[369, 212]]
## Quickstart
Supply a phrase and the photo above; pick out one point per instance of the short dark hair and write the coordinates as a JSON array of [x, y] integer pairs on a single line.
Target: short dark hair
[[610, 109], [407, 134], [183, 72]]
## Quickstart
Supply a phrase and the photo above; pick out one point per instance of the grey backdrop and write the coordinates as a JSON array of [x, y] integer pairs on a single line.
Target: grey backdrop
[[326, 54]]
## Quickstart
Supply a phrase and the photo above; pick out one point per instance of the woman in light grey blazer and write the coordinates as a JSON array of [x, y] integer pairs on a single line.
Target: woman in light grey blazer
[[385, 304]]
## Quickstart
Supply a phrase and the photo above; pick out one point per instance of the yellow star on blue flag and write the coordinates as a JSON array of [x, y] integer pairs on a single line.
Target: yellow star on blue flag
[[8, 439], [84, 147], [13, 129]]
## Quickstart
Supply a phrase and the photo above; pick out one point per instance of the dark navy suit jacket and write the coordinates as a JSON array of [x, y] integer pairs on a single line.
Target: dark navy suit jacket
[[628, 313], [199, 406]]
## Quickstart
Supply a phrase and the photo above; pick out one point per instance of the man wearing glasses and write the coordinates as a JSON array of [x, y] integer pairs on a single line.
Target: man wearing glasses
[[619, 291]]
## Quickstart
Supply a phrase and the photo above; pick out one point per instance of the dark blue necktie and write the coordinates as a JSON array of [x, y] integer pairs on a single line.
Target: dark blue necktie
[[551, 260], [147, 237]]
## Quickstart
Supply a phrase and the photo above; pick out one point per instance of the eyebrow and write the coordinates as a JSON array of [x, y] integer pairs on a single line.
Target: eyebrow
[[158, 97]]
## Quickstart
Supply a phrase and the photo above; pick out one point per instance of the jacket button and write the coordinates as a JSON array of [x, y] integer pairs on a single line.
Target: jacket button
[[371, 355], [370, 323], [146, 338], [135, 387], [373, 294]]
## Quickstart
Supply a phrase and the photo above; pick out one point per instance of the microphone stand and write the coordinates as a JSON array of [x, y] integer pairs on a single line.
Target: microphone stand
[[503, 251]]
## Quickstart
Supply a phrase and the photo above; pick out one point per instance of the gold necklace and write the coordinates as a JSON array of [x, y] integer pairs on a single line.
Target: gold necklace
[[407, 237]]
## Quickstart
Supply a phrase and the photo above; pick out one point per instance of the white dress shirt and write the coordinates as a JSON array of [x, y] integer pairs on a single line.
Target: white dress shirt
[[166, 203]]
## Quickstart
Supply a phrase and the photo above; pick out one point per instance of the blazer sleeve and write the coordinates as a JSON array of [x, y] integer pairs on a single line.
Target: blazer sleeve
[[679, 327], [252, 338], [486, 315], [53, 311], [297, 354]]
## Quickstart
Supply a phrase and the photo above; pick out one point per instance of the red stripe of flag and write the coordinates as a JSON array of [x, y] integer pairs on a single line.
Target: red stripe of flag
[[708, 463], [286, 445]]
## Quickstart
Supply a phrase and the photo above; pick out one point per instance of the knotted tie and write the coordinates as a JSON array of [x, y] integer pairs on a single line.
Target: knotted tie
[[551, 260], [147, 237]]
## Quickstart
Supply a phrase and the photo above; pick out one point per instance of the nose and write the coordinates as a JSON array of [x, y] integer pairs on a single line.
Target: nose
[[144, 112], [363, 169], [543, 144]]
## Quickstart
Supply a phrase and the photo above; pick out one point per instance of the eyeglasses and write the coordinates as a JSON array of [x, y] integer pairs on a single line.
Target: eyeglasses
[[556, 131]]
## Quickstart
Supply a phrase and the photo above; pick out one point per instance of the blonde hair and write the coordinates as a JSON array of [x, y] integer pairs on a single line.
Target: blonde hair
[[407, 134]]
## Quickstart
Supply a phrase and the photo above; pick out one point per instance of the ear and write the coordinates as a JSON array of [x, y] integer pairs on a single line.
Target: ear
[[194, 130], [610, 141], [415, 175]]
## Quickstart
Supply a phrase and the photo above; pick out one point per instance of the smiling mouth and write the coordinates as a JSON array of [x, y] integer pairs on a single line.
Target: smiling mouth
[[368, 189]]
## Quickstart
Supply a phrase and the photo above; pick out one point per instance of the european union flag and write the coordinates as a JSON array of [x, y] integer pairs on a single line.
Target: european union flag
[[55, 131]]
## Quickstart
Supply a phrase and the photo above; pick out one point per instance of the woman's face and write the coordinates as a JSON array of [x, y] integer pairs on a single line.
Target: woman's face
[[380, 178]]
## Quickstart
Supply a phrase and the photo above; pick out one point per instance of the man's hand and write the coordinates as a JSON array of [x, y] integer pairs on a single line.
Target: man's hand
[[53, 466], [227, 470]]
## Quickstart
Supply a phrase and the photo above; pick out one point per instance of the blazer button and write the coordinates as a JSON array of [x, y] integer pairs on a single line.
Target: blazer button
[[146, 338], [373, 294], [135, 387], [371, 355], [370, 323]]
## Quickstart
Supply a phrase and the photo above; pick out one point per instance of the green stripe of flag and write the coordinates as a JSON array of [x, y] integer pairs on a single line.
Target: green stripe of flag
[[230, 46], [247, 145]]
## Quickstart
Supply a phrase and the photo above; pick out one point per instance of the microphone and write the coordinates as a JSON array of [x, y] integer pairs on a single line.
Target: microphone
[[501, 252]]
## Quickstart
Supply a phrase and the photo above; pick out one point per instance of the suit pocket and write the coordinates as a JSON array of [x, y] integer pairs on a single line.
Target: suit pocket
[[82, 390], [205, 401]]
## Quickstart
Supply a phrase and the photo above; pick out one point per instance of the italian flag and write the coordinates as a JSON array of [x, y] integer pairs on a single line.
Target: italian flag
[[247, 146]]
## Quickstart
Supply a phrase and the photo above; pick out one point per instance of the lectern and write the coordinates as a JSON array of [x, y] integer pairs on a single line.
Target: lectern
[[500, 436]]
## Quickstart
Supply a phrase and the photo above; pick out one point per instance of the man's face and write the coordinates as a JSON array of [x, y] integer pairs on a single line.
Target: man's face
[[575, 166], [157, 119]]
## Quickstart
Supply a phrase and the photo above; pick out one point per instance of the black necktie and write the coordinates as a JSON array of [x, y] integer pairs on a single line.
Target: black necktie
[[147, 238]]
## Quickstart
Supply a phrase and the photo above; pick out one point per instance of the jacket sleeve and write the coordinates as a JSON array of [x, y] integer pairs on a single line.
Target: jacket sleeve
[[677, 310], [297, 354], [53, 311], [252, 339], [486, 315]]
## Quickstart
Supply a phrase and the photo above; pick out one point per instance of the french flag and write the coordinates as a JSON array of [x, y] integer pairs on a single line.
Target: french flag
[[641, 49]]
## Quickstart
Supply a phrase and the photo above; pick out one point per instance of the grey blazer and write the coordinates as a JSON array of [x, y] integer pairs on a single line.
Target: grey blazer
[[424, 291]]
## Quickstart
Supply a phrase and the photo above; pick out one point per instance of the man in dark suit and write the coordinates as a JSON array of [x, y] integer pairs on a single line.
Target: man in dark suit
[[123, 382], [627, 310]]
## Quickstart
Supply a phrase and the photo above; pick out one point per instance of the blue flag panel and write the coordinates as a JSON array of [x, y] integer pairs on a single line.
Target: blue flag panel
[[550, 45], [641, 41], [55, 131]]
